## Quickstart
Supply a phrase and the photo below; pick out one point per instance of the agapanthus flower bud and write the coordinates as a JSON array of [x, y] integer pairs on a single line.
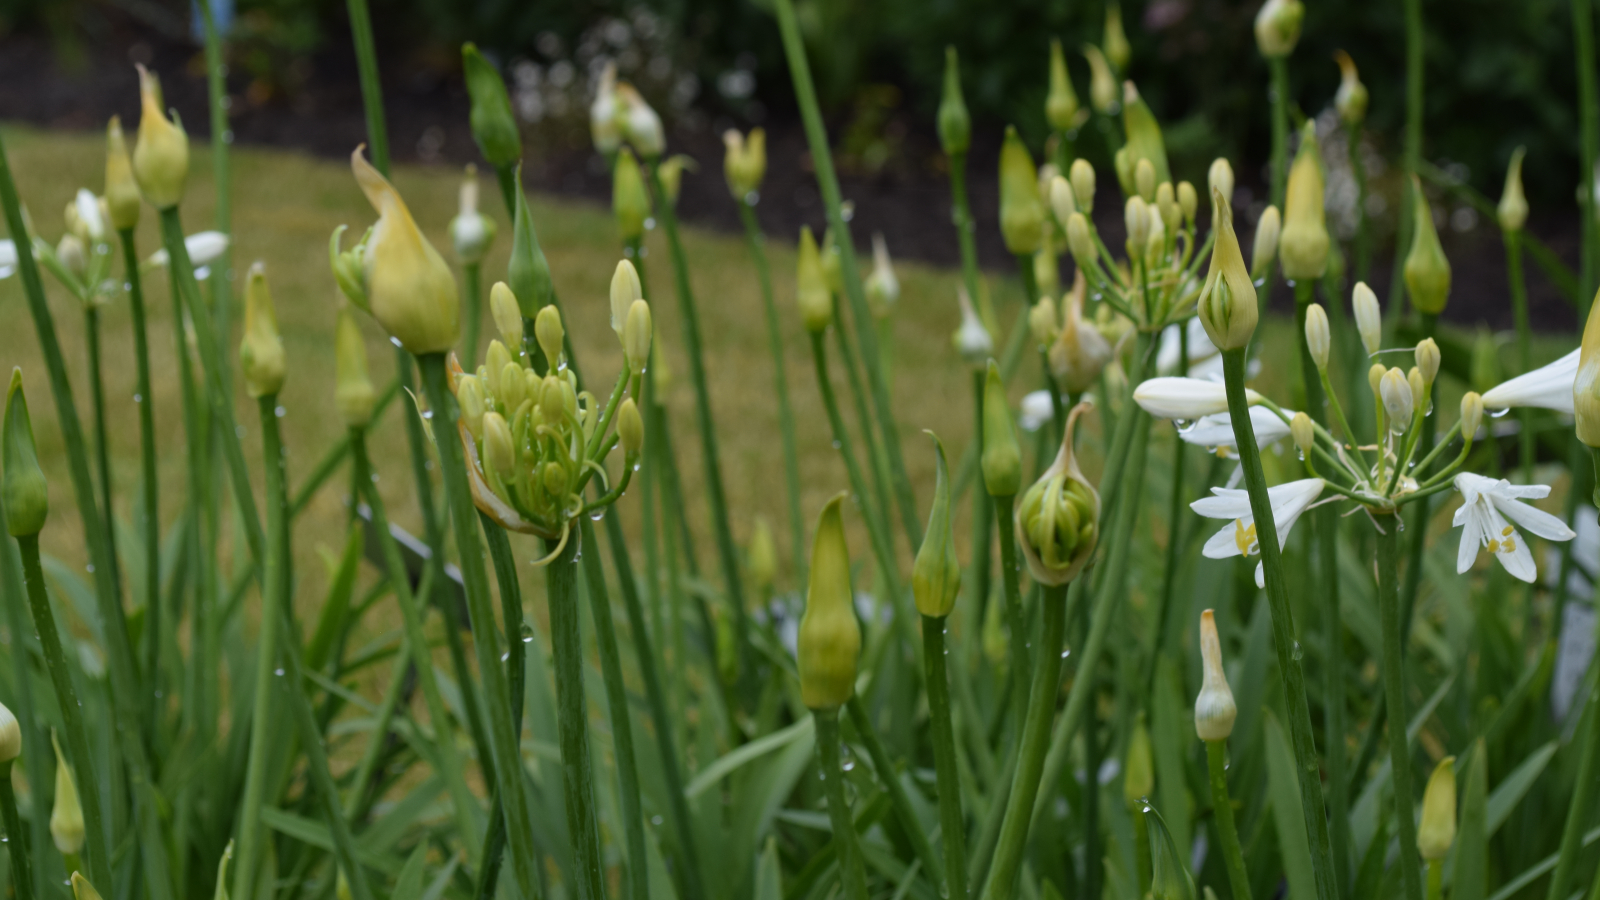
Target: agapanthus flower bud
[[471, 232], [630, 204], [1021, 216], [551, 335], [1369, 318], [161, 152], [1219, 178], [1471, 414], [1303, 432], [1080, 351], [1062, 202], [745, 163], [1351, 97], [637, 336], [1082, 176], [1264, 246], [499, 455], [1318, 338], [936, 575], [1188, 202], [10, 736], [26, 494], [670, 171], [829, 643], [641, 127], [882, 287], [83, 890], [1586, 386], [1144, 180], [1428, 360], [494, 126], [1167, 206], [1427, 271], [955, 123], [1058, 520], [261, 357], [1375, 379], [1155, 242], [604, 128], [122, 192], [1513, 209], [409, 288], [1061, 103], [507, 314], [761, 555], [1278, 27], [1103, 94], [1079, 240], [972, 339], [811, 285], [1042, 321], [1227, 303], [1214, 709], [353, 393], [832, 263], [1139, 771], [1398, 400], [1136, 219], [1419, 389], [630, 427], [1001, 461], [1144, 133], [66, 816], [1437, 830], [1304, 244], [71, 254], [1115, 40]]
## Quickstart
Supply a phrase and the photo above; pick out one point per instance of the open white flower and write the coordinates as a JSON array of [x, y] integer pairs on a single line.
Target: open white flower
[[1548, 387], [1238, 538], [1037, 411], [1200, 348], [1215, 432], [1185, 398], [1488, 503], [204, 247]]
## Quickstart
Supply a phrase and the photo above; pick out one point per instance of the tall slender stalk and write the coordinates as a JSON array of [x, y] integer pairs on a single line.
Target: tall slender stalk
[[869, 440], [852, 875], [1280, 127], [1307, 769], [1394, 693], [572, 722], [516, 659], [961, 218], [149, 482], [34, 745], [1519, 312], [1412, 157], [473, 296], [982, 514], [1358, 168], [1422, 507], [1222, 808], [1589, 145], [952, 824], [21, 871], [97, 401], [1022, 658], [899, 800]]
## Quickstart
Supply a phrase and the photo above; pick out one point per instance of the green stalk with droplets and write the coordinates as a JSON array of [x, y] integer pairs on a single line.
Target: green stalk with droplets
[[1394, 693], [852, 876], [1222, 809], [952, 823], [21, 871], [1280, 128]]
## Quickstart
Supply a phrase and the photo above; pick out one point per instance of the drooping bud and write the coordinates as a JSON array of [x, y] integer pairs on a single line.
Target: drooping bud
[[1002, 458], [637, 336], [829, 643], [1369, 318], [494, 126], [1437, 830], [1303, 432], [882, 287], [1103, 94], [604, 128], [1427, 271], [1139, 777], [1264, 246], [1398, 401], [641, 127], [955, 123], [122, 192], [1188, 202], [1585, 387], [161, 152], [1278, 27], [1471, 414], [1428, 360], [629, 201], [630, 428], [471, 232], [745, 164], [1351, 97], [1318, 338], [549, 332], [409, 288], [261, 357], [1304, 244], [1513, 209], [1061, 103], [1144, 133], [761, 555], [507, 315], [1227, 303], [811, 285], [1080, 351], [1021, 216], [1115, 40], [66, 816], [499, 453], [10, 736], [972, 339], [26, 494], [936, 575], [353, 393], [1214, 709], [1058, 521]]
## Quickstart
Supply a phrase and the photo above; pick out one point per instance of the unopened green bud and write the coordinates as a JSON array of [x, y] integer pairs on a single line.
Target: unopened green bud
[[761, 555], [625, 288], [1144, 180], [495, 360], [811, 285], [469, 396], [829, 643], [550, 334], [82, 889], [1513, 209], [507, 315], [1042, 321], [1188, 202], [1278, 27], [955, 124], [1144, 134], [1318, 338], [1471, 414], [261, 357], [1219, 178], [1062, 202], [499, 455], [1264, 246], [1437, 831], [882, 286], [1375, 375], [1103, 93], [629, 202], [1136, 220], [1304, 244], [641, 126], [1082, 176], [1394, 389], [1227, 303], [66, 816], [471, 232], [1303, 432], [1002, 458], [353, 393], [1419, 389], [1427, 271], [161, 152], [1139, 772], [552, 400], [637, 335], [528, 271], [10, 736], [1021, 215], [1061, 103], [1057, 524], [1115, 42], [410, 289], [1214, 708], [1369, 318], [1351, 97], [513, 387], [936, 575], [1166, 203], [1428, 359], [630, 428], [670, 171], [1079, 240], [745, 164], [603, 125], [122, 191], [494, 126]]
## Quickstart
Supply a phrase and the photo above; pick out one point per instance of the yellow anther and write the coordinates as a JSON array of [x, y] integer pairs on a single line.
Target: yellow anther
[[1506, 531], [1243, 537]]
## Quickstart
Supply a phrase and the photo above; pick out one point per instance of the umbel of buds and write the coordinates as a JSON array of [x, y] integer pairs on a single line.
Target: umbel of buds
[[161, 153], [1214, 709], [1227, 303], [936, 575], [261, 355], [1058, 520], [26, 494], [829, 643], [404, 282]]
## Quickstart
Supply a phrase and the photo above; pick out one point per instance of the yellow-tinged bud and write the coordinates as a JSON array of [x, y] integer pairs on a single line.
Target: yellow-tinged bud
[[1513, 209], [1167, 206], [1304, 244], [1351, 97], [82, 889], [630, 427], [829, 643], [1264, 246], [1303, 432], [1042, 322], [811, 285], [72, 255], [1021, 215], [24, 495], [471, 232], [161, 151], [66, 817], [1058, 521], [1318, 338], [955, 123], [1227, 303], [1188, 202], [1428, 360], [550, 334], [1427, 271], [1139, 771], [604, 128], [1002, 458], [1586, 387], [552, 399], [261, 356], [761, 555], [1278, 27], [1079, 240], [670, 171], [1082, 177], [881, 285], [625, 288], [469, 396], [10, 736], [1115, 41], [494, 126], [1471, 414], [1062, 202], [1375, 378], [745, 164], [1219, 178], [499, 455], [513, 387], [936, 575], [1214, 709], [495, 361], [122, 192], [1419, 389], [629, 202], [1156, 241], [637, 336], [1398, 400], [1437, 831], [353, 393], [641, 127], [1369, 318], [507, 314], [1136, 219], [1061, 103], [409, 288], [1144, 179], [1144, 134], [1103, 93]]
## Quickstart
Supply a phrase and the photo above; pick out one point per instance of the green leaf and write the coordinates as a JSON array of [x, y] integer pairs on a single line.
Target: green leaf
[[728, 764], [1169, 877], [409, 885], [769, 874], [1471, 881], [336, 605], [1285, 793], [1172, 727], [1511, 789]]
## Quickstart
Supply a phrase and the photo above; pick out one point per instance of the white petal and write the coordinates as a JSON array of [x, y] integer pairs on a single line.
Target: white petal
[[1290, 501], [1223, 544], [1532, 518], [1549, 387], [1261, 575], [1037, 409], [1225, 503], [1201, 350], [1184, 398], [8, 257], [1467, 554], [205, 247], [1217, 430], [1519, 561]]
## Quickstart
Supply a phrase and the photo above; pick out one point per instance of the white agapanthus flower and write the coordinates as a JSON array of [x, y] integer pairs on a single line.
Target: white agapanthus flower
[[1488, 503], [204, 247], [1200, 348], [1238, 538], [1215, 432], [1185, 399], [88, 207], [1547, 387], [1037, 410]]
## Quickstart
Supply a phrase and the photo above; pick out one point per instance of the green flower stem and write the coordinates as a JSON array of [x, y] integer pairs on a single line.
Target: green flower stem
[[1174, 554], [1394, 693], [371, 87], [149, 484], [572, 721], [55, 660], [472, 274], [952, 824], [1589, 144], [890, 777], [1016, 621], [1580, 810], [1279, 66], [1435, 879], [505, 752], [638, 872], [1424, 440], [222, 178], [1307, 771], [1031, 298], [866, 335], [1010, 360], [97, 400], [358, 803], [650, 669], [1222, 808], [780, 379], [727, 553], [1411, 158], [1035, 743], [1519, 312], [961, 218], [1363, 241], [852, 875], [869, 440], [21, 872], [34, 744], [982, 513], [507, 177], [1092, 759]]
